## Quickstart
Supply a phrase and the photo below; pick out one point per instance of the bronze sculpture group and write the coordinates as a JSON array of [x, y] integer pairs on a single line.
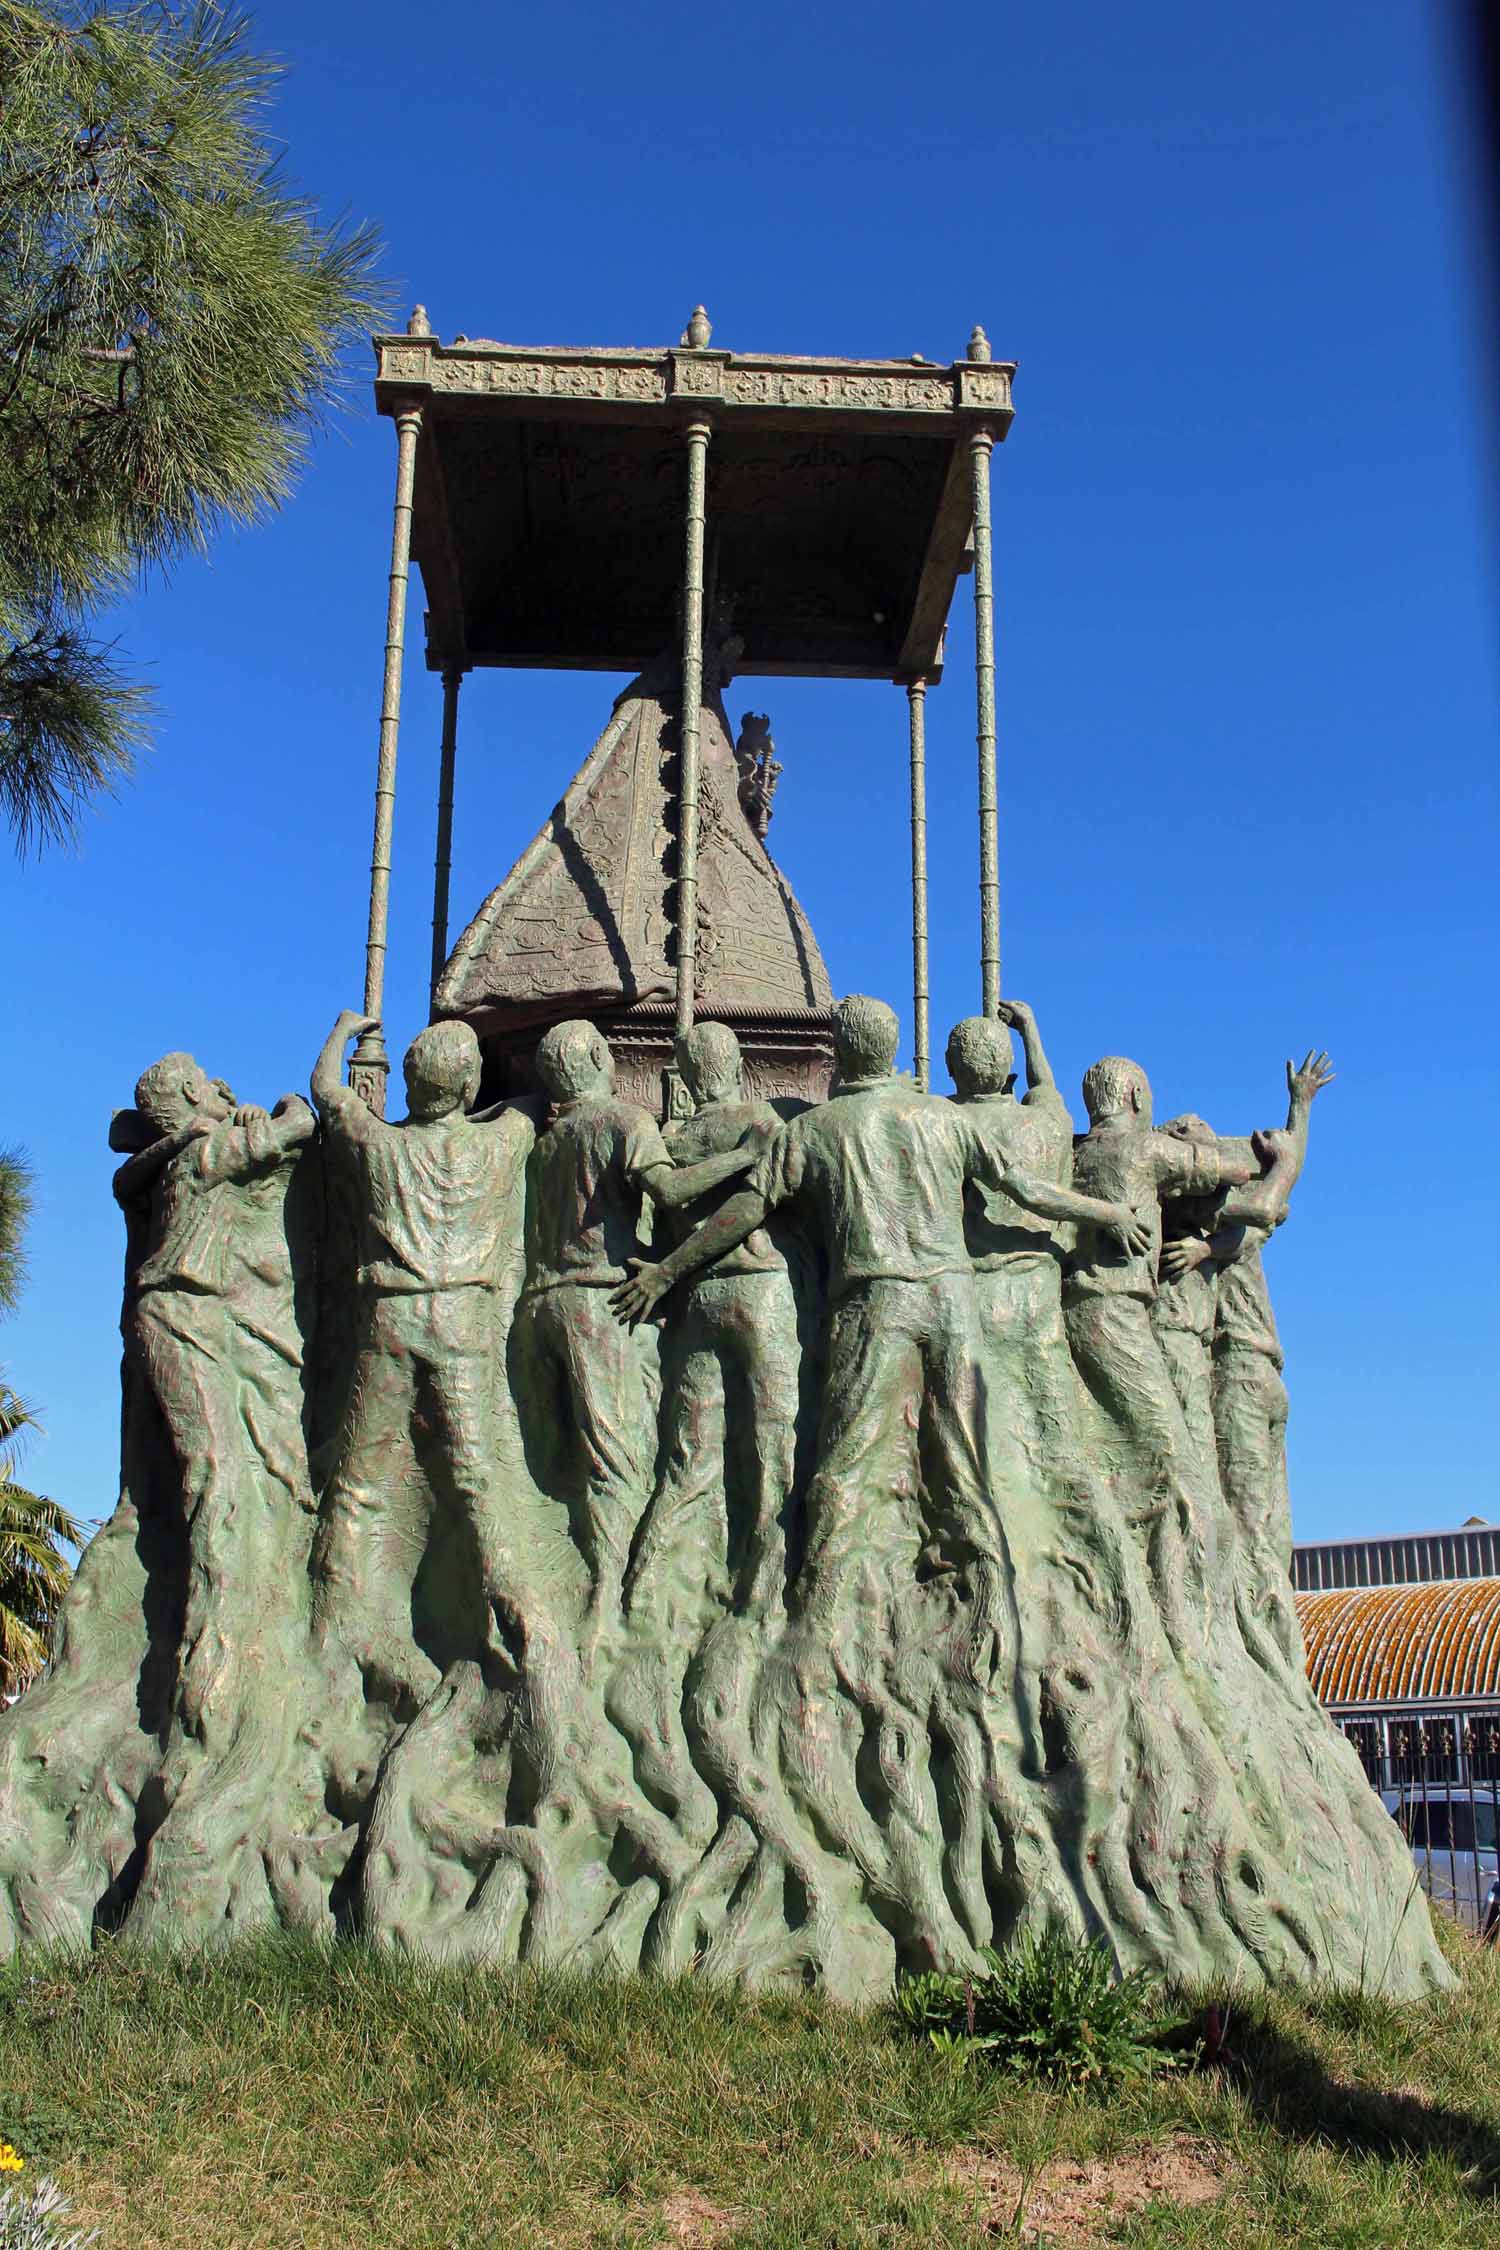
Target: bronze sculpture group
[[807, 1541]]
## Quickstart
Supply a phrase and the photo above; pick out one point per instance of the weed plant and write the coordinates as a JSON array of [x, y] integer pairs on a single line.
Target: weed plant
[[1051, 2007]]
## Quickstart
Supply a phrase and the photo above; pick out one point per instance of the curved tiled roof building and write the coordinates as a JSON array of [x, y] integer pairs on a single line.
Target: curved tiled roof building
[[1407, 1645]]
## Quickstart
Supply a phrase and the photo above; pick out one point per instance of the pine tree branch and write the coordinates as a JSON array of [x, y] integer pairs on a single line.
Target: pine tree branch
[[70, 730]]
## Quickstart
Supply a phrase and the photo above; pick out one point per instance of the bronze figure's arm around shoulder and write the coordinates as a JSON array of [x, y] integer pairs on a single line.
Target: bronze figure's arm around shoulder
[[137, 1174], [672, 1185], [1051, 1202], [256, 1138], [636, 1298]]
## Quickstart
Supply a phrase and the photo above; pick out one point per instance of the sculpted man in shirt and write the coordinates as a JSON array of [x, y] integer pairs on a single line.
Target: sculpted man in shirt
[[1249, 1401], [1182, 1312], [435, 1196], [588, 1387], [1107, 1311], [879, 1170], [209, 1313], [212, 1330], [730, 1371], [1017, 1255]]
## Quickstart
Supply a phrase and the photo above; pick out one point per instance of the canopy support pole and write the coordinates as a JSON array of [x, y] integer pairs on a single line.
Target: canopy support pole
[[916, 697], [370, 1064], [443, 860], [981, 443], [692, 698]]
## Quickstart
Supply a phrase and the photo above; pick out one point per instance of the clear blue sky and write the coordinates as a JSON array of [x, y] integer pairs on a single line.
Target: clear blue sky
[[1247, 676]]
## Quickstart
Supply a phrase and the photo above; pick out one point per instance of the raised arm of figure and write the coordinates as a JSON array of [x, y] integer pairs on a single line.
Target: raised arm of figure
[[332, 1096], [1303, 1085], [725, 1231], [1263, 1202], [1021, 1020], [1051, 1202]]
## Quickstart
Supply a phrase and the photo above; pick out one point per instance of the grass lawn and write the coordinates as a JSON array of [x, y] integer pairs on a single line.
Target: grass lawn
[[288, 2098]]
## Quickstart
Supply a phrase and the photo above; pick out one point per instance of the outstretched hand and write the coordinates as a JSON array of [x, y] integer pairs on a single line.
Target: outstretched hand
[[354, 1025], [1130, 1231], [1012, 1012], [1314, 1074], [637, 1298]]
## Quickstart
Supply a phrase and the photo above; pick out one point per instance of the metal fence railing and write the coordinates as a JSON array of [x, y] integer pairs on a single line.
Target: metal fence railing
[[1438, 1773]]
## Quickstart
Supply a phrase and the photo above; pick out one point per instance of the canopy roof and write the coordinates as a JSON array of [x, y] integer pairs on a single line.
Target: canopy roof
[[548, 509]]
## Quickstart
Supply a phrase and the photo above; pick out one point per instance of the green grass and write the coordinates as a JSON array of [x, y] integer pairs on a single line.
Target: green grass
[[287, 2098]]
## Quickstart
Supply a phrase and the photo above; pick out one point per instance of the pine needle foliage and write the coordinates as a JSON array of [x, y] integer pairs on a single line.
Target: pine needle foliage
[[1051, 2007], [174, 320], [15, 1210]]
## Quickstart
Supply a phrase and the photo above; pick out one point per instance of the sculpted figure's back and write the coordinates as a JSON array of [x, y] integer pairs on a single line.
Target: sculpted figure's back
[[588, 1389], [879, 1171], [1018, 1256], [435, 1201], [731, 1373], [211, 1327]]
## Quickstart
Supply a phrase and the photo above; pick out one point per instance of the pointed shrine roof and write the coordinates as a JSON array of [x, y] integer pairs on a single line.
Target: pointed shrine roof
[[584, 918]]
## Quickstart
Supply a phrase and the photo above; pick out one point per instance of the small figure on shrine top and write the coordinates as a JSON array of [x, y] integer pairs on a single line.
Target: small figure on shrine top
[[760, 770]]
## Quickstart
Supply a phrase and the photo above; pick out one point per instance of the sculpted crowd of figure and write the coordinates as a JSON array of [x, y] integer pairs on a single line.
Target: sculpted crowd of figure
[[911, 1280], [799, 1542]]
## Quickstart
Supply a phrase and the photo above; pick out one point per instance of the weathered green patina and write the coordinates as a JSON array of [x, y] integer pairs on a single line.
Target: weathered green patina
[[840, 1619]]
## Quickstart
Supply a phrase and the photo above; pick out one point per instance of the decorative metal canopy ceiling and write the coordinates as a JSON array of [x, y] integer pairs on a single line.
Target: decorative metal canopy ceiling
[[550, 490]]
